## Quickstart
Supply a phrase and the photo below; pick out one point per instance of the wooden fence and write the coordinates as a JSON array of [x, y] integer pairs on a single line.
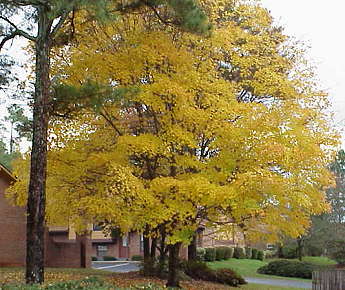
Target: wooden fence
[[329, 280]]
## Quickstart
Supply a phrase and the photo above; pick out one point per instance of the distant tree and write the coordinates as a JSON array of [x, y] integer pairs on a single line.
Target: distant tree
[[330, 226], [20, 125]]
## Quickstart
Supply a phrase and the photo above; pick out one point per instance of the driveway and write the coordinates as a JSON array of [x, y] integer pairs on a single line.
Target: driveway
[[119, 267]]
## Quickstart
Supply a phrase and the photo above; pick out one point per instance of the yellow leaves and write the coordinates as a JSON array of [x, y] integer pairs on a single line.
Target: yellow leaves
[[227, 126]]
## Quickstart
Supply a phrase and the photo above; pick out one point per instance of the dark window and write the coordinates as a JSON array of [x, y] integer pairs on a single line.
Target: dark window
[[102, 250]]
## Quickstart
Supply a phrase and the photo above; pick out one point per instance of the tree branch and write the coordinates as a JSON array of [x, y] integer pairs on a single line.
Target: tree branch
[[24, 2], [16, 32]]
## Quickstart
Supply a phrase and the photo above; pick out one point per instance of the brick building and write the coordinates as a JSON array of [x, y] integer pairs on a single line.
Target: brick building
[[63, 248], [12, 226]]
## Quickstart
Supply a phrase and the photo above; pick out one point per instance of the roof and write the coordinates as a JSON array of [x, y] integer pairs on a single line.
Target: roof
[[6, 173]]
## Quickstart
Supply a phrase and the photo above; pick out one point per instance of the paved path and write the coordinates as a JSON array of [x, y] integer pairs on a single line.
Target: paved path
[[119, 267], [124, 267], [280, 282]]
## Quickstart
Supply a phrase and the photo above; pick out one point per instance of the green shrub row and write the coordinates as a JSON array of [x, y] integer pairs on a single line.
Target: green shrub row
[[200, 271], [137, 258], [224, 253], [214, 254], [287, 268]]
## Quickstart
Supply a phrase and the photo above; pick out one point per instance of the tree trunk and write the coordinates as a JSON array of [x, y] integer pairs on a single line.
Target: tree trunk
[[148, 262], [36, 194], [162, 253], [300, 249], [153, 248], [173, 280], [192, 249]]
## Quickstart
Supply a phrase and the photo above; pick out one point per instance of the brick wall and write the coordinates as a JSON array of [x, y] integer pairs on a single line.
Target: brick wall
[[12, 229], [62, 252]]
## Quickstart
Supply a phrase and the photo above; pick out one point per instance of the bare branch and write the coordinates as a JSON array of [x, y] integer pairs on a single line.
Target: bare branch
[[16, 32], [24, 2]]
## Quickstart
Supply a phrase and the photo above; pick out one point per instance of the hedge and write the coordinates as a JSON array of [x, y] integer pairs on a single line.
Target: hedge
[[239, 253], [210, 254]]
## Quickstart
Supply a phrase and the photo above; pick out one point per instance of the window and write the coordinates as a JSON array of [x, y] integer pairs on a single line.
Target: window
[[102, 250], [125, 241], [97, 227]]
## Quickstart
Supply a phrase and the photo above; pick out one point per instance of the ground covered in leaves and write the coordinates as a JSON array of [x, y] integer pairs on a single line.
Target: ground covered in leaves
[[132, 280]]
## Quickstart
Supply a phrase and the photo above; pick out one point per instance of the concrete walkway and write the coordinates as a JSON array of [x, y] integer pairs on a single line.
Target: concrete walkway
[[280, 282]]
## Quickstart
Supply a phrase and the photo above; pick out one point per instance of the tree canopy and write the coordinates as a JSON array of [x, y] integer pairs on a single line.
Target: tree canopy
[[184, 131]]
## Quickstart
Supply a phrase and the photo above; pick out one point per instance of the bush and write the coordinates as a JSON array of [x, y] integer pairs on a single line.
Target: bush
[[109, 258], [261, 255], [248, 253], [268, 254], [200, 254], [137, 258], [289, 252], [287, 268], [210, 254], [254, 254], [200, 271], [229, 277], [229, 253], [220, 253], [94, 259], [239, 253]]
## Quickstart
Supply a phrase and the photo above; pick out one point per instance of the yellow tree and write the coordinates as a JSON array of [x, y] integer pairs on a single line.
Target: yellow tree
[[228, 129]]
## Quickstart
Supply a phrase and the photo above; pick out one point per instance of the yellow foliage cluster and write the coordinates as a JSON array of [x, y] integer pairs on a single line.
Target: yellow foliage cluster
[[225, 129]]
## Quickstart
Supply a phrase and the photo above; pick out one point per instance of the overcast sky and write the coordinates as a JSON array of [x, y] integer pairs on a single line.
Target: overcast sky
[[321, 24]]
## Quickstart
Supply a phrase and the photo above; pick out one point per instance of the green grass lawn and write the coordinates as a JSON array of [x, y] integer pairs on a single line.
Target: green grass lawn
[[248, 267]]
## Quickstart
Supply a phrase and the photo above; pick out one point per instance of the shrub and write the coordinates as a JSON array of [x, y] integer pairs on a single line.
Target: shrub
[[200, 271], [200, 254], [248, 253], [261, 255], [239, 253], [137, 258], [210, 254], [289, 252], [268, 254], [287, 268], [254, 254], [229, 253], [109, 258], [229, 277], [94, 259], [220, 253]]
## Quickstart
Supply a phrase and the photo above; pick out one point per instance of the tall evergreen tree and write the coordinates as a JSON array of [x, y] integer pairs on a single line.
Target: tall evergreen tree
[[47, 22]]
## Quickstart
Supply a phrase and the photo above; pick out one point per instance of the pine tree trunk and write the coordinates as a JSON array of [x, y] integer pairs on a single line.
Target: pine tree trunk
[[36, 194], [192, 249], [174, 251]]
